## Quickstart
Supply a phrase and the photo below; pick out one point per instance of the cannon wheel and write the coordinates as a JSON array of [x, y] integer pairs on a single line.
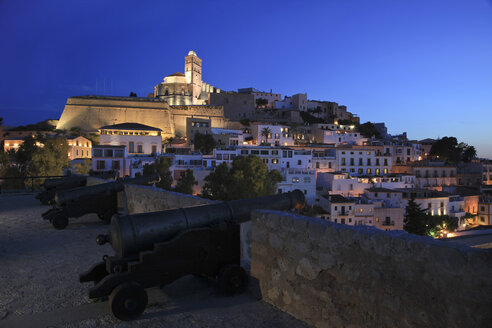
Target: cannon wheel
[[232, 279], [128, 301], [59, 221]]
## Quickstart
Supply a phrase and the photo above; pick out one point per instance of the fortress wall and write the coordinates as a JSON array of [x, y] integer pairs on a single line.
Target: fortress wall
[[181, 113], [90, 113], [333, 275]]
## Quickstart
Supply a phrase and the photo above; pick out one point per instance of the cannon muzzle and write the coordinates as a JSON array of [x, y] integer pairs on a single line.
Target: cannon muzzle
[[134, 233]]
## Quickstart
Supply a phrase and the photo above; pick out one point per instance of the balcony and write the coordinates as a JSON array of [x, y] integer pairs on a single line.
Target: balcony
[[388, 223]]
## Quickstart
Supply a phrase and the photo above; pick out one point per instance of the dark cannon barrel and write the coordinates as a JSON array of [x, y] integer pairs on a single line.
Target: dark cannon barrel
[[74, 195], [133, 233], [72, 180]]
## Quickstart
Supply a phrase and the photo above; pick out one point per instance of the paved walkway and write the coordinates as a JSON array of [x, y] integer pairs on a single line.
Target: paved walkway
[[39, 287]]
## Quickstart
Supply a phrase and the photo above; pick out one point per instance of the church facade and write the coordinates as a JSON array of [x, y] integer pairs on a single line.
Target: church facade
[[179, 97], [187, 88]]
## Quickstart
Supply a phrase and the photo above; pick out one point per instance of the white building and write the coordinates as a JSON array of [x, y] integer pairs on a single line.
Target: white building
[[362, 161], [302, 179], [335, 134], [110, 158], [140, 139], [279, 135], [324, 160]]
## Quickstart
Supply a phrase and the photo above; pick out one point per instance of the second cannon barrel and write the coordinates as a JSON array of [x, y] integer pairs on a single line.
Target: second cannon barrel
[[133, 233]]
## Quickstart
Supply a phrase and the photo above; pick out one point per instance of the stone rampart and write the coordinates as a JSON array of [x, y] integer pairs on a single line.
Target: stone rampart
[[332, 275]]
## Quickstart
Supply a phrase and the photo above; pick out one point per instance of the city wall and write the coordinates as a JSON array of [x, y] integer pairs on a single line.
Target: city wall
[[332, 275]]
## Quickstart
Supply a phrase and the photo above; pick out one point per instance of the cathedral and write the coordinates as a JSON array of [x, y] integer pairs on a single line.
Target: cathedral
[[178, 97], [187, 88]]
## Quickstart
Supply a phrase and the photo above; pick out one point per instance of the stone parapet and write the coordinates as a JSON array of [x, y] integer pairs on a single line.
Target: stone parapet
[[143, 199], [332, 275]]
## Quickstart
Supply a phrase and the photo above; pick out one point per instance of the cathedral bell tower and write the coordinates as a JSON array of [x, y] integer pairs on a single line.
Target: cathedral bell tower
[[193, 73]]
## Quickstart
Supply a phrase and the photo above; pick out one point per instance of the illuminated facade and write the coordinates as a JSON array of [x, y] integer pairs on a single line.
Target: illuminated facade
[[139, 139], [187, 88]]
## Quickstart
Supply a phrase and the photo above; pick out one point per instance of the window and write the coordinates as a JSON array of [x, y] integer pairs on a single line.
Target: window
[[154, 149], [317, 165], [255, 152], [101, 165], [264, 152], [139, 149], [377, 161], [336, 208], [275, 161], [369, 171], [118, 153], [287, 165], [343, 161], [429, 205], [368, 161], [108, 153], [274, 152], [482, 208], [116, 165], [226, 157], [131, 147], [352, 162], [77, 152], [360, 161], [307, 179], [350, 220], [295, 179], [299, 162], [244, 152]]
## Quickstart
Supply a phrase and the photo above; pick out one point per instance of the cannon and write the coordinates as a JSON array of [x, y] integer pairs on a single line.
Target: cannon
[[155, 249], [51, 186], [100, 199]]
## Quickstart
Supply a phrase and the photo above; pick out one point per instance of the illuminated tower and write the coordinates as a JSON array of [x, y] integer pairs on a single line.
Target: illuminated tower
[[193, 73]]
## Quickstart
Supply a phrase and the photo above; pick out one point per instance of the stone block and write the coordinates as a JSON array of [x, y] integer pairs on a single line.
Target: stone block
[[307, 269], [275, 241], [326, 260]]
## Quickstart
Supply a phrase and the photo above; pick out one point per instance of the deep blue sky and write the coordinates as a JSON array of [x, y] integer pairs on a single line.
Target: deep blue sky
[[421, 66]]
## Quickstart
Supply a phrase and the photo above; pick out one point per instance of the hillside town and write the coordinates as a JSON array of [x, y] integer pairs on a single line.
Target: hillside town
[[351, 172]]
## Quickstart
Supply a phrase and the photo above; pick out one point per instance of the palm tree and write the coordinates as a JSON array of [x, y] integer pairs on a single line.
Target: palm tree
[[266, 132]]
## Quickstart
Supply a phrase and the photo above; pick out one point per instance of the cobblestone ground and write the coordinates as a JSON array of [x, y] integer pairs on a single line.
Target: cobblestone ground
[[39, 287]]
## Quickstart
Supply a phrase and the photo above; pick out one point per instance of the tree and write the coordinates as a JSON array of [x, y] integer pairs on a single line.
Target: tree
[[248, 177], [266, 132], [186, 182], [82, 167], [50, 159], [205, 143], [161, 166], [133, 94], [449, 150], [419, 222], [368, 130], [469, 153], [415, 218]]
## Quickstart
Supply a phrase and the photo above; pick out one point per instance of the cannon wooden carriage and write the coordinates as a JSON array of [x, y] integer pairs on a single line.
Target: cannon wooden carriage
[[155, 249]]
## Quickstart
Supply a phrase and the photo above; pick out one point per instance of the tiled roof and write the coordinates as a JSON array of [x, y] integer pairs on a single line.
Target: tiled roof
[[129, 126]]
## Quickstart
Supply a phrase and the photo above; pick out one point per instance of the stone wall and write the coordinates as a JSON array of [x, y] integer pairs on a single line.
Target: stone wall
[[332, 275], [143, 199]]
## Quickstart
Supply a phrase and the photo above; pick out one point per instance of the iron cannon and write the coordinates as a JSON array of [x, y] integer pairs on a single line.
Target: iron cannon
[[155, 249], [100, 199], [51, 186]]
